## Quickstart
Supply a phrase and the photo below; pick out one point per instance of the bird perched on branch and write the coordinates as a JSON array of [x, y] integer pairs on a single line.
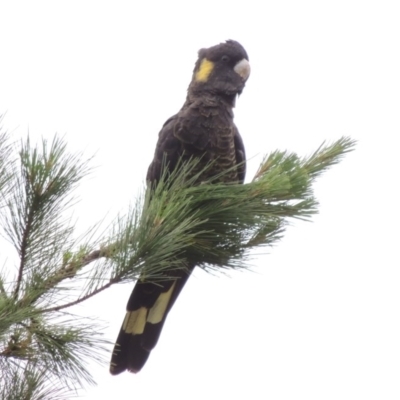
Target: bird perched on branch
[[202, 129]]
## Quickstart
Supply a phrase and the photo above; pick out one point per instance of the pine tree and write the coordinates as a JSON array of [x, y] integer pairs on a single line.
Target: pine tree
[[43, 346]]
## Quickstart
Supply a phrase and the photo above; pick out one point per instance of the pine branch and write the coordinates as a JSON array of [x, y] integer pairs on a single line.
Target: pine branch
[[68, 270], [214, 225], [23, 250], [35, 200]]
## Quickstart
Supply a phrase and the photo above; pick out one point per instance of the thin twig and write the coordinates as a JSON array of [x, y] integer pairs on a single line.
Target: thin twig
[[82, 299]]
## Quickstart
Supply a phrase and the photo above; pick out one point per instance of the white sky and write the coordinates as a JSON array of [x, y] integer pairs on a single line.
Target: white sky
[[319, 319]]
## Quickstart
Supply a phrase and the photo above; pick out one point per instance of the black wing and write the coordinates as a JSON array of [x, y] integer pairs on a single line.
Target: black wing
[[240, 156], [149, 304], [168, 151]]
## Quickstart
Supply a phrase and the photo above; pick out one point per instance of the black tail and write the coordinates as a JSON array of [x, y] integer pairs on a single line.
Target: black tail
[[147, 310]]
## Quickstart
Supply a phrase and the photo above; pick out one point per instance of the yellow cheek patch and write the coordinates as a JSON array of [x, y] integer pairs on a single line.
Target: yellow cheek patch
[[204, 71]]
